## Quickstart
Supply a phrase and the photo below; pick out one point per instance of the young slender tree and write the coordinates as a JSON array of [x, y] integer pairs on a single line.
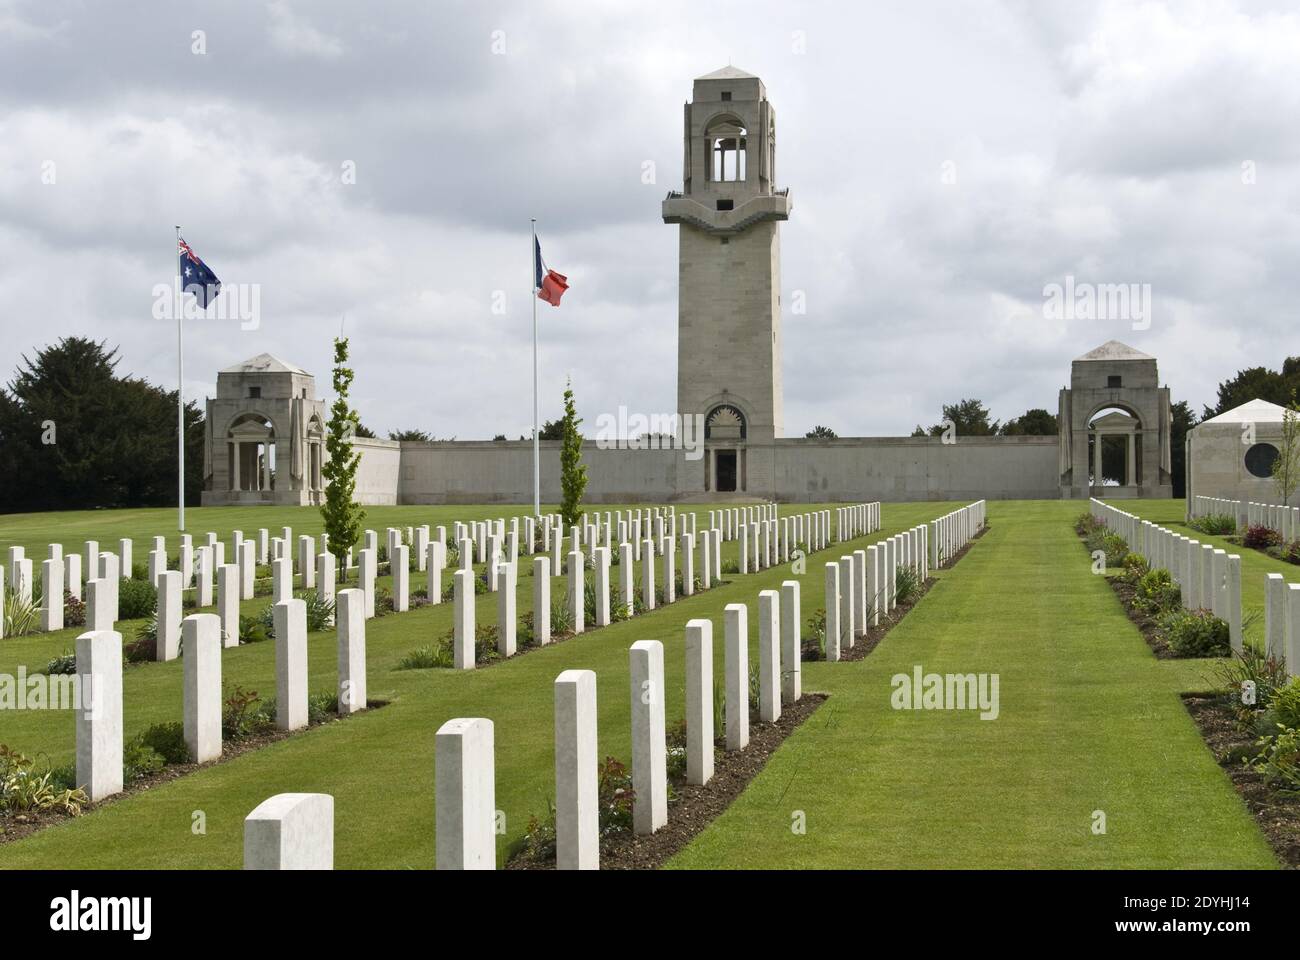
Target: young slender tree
[[573, 472], [1286, 468], [342, 515]]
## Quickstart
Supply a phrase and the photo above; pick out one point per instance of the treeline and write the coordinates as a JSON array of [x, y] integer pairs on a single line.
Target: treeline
[[75, 435]]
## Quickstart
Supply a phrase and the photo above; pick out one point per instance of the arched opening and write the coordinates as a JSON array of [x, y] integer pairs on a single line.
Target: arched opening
[[728, 149], [315, 452], [1114, 447], [250, 449], [724, 469]]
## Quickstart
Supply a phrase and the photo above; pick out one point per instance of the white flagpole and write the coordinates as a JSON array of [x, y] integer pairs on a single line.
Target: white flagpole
[[537, 464], [180, 389]]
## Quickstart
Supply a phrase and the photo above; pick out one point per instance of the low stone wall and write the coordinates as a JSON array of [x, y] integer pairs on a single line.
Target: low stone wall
[[793, 471]]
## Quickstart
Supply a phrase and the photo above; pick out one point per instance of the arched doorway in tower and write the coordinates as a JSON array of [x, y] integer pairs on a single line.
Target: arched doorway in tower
[[724, 437], [1114, 448]]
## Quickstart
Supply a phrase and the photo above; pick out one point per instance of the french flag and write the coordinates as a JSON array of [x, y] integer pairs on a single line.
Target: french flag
[[550, 286]]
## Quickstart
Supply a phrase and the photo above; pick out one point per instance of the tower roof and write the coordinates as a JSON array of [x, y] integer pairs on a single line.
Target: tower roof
[[728, 73], [264, 363], [1114, 350], [1252, 411]]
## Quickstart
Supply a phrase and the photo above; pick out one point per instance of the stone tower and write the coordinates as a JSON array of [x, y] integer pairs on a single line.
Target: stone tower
[[729, 270]]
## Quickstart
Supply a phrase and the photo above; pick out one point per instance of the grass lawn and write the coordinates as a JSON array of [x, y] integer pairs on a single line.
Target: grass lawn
[[1088, 720]]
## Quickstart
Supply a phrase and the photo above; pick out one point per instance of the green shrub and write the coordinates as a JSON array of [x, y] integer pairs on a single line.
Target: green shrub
[[1279, 760], [320, 612], [1157, 593], [1215, 524], [136, 599], [1195, 633], [1135, 568], [139, 760], [145, 645], [168, 741], [1284, 704], [252, 630], [426, 657], [64, 663], [244, 714]]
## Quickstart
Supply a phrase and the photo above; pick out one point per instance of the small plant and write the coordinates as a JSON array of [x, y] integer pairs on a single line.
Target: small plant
[[139, 760], [1279, 760], [1156, 593], [813, 642], [168, 741], [426, 657], [1215, 524], [243, 715], [907, 584], [1260, 537], [65, 663], [615, 795], [136, 599], [561, 618], [1268, 674], [1135, 568], [320, 612], [145, 645], [74, 610], [23, 788], [252, 630], [20, 616], [1195, 633]]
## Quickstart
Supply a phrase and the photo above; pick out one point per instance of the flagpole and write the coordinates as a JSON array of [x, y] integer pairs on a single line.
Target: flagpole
[[537, 466], [180, 389]]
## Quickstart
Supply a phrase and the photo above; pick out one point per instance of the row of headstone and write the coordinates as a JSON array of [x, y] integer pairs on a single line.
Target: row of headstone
[[950, 533], [863, 586], [1208, 578], [99, 673], [1284, 520], [856, 521], [465, 750]]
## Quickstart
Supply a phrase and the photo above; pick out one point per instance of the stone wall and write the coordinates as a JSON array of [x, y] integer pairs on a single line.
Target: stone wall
[[810, 471]]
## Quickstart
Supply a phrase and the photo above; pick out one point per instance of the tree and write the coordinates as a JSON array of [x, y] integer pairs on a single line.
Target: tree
[[342, 515], [76, 435], [1182, 419], [1032, 423], [1286, 468], [1257, 382], [551, 430], [362, 431], [498, 437], [821, 433], [417, 435], [573, 472], [970, 418]]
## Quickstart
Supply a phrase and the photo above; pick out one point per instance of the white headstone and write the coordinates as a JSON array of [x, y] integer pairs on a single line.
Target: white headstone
[[649, 748], [290, 831], [350, 620], [291, 664], [202, 685], [99, 715], [465, 787], [577, 801]]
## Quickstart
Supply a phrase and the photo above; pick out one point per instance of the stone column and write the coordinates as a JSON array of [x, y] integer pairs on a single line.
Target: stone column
[[736, 660], [1232, 602], [350, 619], [670, 572], [72, 574], [706, 558], [649, 750], [400, 568], [688, 564], [1291, 649], [367, 568], [465, 787], [99, 715], [577, 802], [202, 685], [1130, 462], [699, 701], [291, 664], [167, 645], [203, 576], [601, 577]]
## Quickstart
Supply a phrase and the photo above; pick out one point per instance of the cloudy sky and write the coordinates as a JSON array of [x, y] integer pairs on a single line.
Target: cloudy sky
[[947, 161]]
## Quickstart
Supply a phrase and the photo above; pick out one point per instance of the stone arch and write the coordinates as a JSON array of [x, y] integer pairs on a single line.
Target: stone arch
[[726, 421], [250, 437], [727, 144]]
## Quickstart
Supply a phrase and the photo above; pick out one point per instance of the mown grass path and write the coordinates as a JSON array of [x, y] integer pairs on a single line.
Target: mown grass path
[[1089, 720]]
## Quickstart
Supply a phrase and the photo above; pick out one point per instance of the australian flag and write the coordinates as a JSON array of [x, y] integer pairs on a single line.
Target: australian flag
[[196, 277]]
